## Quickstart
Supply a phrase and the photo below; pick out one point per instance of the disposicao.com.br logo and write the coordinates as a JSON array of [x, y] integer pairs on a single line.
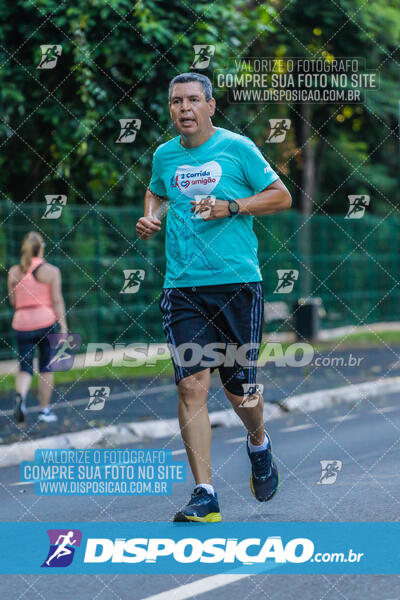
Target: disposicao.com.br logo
[[247, 551]]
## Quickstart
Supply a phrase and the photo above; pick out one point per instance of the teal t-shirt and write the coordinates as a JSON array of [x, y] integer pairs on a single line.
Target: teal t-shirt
[[228, 166]]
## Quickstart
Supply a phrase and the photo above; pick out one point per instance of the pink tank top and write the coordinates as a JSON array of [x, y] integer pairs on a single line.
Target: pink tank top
[[33, 302]]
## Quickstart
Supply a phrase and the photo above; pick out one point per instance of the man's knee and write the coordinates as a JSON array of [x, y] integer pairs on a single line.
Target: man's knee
[[194, 386]]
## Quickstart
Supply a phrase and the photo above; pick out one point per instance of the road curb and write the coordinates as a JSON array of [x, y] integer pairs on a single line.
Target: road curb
[[130, 433]]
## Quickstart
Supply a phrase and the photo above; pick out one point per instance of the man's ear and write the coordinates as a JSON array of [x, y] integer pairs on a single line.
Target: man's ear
[[211, 106]]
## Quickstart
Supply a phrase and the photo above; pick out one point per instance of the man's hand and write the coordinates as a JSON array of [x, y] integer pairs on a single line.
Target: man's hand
[[218, 209], [146, 227]]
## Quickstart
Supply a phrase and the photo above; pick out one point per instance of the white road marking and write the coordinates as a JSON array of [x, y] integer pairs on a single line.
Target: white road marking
[[195, 588], [297, 427], [23, 483], [342, 418], [236, 440], [385, 409]]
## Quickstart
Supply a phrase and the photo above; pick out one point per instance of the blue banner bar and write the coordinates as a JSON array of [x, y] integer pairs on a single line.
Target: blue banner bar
[[37, 548]]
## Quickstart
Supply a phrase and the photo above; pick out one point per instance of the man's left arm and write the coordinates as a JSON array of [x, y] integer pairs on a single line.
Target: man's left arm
[[275, 198], [270, 195]]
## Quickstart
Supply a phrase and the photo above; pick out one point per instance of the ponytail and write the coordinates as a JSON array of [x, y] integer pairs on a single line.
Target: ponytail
[[31, 245]]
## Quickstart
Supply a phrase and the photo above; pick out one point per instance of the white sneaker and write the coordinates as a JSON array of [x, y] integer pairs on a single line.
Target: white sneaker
[[47, 415]]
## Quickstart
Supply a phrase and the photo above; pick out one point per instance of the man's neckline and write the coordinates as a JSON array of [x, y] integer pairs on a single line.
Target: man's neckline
[[217, 129]]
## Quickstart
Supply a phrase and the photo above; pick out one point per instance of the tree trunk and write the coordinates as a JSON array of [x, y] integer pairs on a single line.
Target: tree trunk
[[307, 194]]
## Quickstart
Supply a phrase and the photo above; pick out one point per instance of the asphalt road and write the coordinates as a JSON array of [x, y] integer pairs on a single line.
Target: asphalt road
[[365, 437], [155, 398]]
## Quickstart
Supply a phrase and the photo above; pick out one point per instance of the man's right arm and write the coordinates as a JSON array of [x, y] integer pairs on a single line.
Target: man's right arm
[[149, 224]]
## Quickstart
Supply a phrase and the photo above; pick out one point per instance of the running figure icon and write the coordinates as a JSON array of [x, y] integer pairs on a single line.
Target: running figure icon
[[63, 345], [62, 549]]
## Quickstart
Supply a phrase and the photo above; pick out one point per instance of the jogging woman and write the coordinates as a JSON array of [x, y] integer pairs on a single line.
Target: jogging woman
[[34, 288]]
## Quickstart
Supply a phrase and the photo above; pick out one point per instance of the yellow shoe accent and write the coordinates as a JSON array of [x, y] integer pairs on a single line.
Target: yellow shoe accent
[[210, 518], [253, 492], [251, 485]]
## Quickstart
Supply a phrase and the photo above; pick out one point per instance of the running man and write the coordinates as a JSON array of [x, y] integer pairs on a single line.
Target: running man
[[130, 129], [53, 207], [62, 549], [219, 299], [280, 127], [287, 280], [358, 206], [50, 55], [64, 349], [34, 288], [131, 281]]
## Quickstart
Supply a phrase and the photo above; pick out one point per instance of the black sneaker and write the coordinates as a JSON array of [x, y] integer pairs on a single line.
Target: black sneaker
[[47, 415], [264, 478], [202, 507], [19, 409]]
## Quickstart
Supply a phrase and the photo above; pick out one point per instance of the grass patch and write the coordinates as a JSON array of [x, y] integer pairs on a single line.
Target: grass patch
[[164, 368]]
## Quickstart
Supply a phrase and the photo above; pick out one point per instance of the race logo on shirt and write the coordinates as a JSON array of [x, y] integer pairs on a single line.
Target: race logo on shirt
[[279, 129], [197, 180], [357, 206]]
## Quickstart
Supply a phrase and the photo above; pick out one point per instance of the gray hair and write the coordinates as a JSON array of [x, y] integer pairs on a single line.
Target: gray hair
[[187, 77]]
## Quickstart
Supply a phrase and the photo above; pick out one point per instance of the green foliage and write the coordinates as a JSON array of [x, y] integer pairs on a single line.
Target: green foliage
[[357, 147], [59, 126]]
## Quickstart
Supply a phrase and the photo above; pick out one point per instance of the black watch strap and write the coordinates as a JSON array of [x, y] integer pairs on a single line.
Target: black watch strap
[[233, 208]]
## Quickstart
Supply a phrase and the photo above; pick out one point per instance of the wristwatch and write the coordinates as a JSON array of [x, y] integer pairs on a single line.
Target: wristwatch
[[233, 208]]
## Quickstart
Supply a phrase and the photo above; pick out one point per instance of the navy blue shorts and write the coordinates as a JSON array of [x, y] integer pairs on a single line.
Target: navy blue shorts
[[27, 341], [215, 327]]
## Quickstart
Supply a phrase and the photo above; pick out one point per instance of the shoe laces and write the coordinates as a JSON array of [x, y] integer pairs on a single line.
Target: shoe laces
[[261, 462], [198, 494]]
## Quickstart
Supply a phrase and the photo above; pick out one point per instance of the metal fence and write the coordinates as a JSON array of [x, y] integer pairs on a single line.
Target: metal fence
[[351, 264]]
